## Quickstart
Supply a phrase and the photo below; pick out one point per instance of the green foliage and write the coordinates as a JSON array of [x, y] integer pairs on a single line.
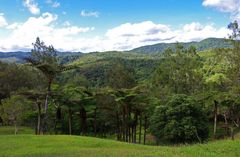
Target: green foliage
[[95, 67], [14, 77], [178, 72], [13, 109], [120, 76], [181, 120]]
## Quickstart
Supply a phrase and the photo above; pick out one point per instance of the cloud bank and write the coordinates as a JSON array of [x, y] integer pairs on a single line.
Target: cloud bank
[[228, 6], [67, 37]]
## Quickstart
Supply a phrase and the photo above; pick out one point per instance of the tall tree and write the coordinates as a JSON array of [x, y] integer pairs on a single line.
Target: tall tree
[[45, 59]]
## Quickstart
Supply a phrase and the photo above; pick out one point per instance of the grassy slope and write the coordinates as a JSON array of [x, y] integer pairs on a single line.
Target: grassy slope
[[74, 146]]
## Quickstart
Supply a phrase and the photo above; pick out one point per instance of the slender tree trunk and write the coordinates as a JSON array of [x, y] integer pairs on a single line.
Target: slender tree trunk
[[46, 108], [118, 127], [226, 124], [127, 124], [70, 121], [215, 118], [83, 116], [232, 132], [1, 120], [15, 128], [39, 118], [145, 130], [140, 129], [124, 125], [133, 133], [95, 122], [135, 128], [58, 118]]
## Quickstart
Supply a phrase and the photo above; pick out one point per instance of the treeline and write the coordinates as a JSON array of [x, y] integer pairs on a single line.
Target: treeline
[[182, 97]]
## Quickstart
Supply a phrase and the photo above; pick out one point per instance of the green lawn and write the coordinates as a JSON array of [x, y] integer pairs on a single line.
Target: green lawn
[[76, 146]]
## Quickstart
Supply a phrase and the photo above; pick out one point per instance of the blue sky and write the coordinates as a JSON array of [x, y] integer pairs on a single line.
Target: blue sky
[[101, 25]]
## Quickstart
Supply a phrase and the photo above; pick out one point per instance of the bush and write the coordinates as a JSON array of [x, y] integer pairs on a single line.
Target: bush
[[181, 120]]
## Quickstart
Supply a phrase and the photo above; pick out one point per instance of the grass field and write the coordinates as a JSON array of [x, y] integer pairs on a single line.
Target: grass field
[[75, 146], [27, 145]]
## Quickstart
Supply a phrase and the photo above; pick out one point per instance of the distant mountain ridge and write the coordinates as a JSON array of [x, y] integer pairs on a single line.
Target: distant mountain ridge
[[19, 56], [209, 43], [65, 57]]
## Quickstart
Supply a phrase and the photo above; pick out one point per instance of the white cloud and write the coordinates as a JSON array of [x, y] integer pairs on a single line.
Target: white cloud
[[13, 26], [223, 5], [196, 32], [143, 28], [23, 34], [123, 37], [89, 13], [3, 21], [32, 6], [128, 36], [228, 6], [54, 4], [66, 23], [195, 26]]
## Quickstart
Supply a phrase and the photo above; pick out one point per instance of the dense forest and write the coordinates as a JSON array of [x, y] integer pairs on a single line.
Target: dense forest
[[183, 94]]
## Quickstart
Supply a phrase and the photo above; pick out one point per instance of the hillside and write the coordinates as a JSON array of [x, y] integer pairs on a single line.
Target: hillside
[[66, 57], [18, 57], [206, 44], [73, 146], [94, 65]]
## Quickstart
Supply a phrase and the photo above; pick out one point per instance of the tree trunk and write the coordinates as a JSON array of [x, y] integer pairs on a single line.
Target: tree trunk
[[95, 122], [226, 124], [58, 118], [135, 127], [70, 121], [39, 118], [215, 118], [127, 125], [1, 120], [118, 127], [15, 128], [232, 133], [140, 129], [124, 125], [145, 130], [83, 120], [46, 108]]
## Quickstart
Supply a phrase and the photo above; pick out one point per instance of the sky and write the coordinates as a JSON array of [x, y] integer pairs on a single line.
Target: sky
[[106, 25]]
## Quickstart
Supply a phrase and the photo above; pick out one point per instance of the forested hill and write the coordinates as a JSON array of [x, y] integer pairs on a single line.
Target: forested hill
[[205, 44], [19, 56]]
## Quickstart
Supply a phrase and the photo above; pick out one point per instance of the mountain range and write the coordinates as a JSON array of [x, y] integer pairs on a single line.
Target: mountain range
[[209, 43], [203, 45]]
